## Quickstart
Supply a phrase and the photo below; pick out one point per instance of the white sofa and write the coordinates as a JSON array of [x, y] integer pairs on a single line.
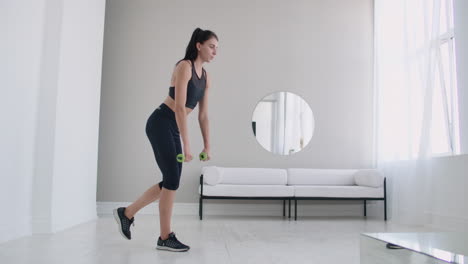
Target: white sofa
[[291, 184]]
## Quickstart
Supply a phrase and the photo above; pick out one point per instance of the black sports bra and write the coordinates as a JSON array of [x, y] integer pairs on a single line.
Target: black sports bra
[[195, 88]]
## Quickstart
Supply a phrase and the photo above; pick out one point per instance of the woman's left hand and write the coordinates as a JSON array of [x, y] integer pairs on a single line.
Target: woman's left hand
[[208, 156]]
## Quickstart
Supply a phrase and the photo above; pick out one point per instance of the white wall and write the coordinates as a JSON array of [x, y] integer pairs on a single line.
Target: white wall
[[77, 113], [320, 50], [20, 50], [42, 190], [50, 114]]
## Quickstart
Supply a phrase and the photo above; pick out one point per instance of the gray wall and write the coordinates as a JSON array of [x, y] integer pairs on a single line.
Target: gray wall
[[321, 50]]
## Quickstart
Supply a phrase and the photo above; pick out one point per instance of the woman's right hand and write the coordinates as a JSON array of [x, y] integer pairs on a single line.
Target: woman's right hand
[[187, 154]]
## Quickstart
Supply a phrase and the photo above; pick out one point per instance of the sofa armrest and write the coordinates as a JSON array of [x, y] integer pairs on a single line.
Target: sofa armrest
[[212, 175], [369, 178]]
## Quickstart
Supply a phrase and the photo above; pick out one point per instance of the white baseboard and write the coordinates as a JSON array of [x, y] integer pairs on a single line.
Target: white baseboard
[[249, 208], [44, 225], [450, 223], [15, 229], [431, 220], [41, 225], [409, 217], [68, 221], [104, 208]]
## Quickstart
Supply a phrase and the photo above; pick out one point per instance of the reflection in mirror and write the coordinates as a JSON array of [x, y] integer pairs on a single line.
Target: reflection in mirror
[[283, 123]]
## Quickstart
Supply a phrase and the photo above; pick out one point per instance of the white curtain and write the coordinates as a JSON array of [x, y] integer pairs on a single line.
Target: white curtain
[[407, 66], [298, 124], [279, 122], [292, 123], [407, 41]]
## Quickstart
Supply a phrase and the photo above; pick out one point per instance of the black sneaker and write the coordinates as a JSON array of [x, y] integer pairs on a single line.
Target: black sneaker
[[171, 244], [123, 222]]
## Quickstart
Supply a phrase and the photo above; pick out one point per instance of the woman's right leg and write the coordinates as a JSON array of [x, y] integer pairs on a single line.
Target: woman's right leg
[[166, 203], [164, 136]]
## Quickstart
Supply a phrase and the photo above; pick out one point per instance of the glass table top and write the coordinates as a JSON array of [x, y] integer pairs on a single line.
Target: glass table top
[[447, 246]]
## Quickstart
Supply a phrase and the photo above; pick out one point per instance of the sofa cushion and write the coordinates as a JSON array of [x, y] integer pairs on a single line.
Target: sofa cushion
[[212, 175], [252, 176], [299, 176], [368, 178], [247, 190], [338, 191]]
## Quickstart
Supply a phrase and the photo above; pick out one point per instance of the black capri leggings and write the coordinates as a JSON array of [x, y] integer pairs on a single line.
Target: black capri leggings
[[163, 133]]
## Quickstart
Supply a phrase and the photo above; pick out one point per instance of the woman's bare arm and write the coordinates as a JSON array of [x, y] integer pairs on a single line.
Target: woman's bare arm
[[203, 118], [183, 73]]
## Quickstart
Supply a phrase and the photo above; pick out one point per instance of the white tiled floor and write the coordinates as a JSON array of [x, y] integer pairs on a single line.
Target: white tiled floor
[[216, 239]]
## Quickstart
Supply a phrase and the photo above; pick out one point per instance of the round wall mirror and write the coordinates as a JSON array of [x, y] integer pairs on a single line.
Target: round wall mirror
[[283, 123]]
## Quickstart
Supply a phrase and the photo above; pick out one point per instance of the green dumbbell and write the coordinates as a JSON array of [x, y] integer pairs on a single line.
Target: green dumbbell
[[203, 156], [180, 157]]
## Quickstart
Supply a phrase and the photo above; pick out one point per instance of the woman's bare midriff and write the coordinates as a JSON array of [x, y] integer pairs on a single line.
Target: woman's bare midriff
[[171, 103]]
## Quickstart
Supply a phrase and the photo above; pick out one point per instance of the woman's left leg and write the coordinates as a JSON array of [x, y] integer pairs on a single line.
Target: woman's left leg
[[151, 195]]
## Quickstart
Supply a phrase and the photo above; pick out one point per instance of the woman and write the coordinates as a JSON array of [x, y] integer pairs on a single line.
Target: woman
[[190, 84]]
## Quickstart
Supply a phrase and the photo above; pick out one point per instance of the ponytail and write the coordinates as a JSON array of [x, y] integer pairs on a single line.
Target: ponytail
[[198, 36]]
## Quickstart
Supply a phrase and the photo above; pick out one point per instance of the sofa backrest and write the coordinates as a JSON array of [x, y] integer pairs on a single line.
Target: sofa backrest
[[247, 176], [302, 176], [214, 175]]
